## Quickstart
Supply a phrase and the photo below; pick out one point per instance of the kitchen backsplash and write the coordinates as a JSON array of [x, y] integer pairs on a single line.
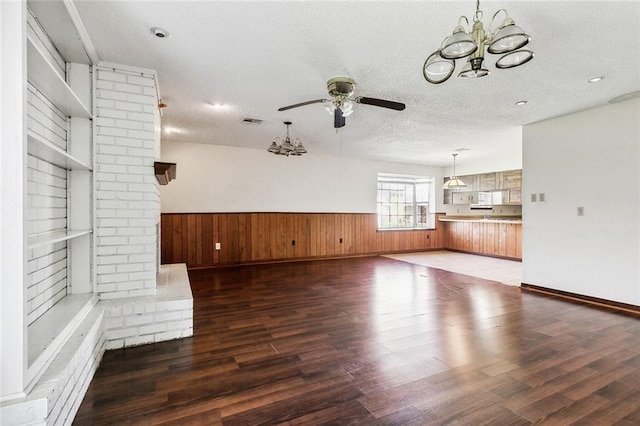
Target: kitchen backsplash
[[466, 210]]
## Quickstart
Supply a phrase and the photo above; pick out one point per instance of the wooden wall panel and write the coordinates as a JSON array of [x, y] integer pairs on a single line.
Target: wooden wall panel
[[263, 237]]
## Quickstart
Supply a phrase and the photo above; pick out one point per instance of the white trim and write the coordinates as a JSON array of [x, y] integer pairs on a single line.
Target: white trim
[[128, 68], [89, 48]]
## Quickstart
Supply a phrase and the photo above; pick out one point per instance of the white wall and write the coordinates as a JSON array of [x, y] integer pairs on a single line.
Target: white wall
[[467, 162], [12, 163], [587, 159], [214, 178]]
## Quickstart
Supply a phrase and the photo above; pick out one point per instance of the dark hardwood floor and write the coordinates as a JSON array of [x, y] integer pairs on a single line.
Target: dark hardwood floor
[[378, 342]]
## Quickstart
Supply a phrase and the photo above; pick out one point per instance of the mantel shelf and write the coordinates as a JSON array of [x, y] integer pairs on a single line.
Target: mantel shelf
[[43, 75], [55, 237], [45, 150]]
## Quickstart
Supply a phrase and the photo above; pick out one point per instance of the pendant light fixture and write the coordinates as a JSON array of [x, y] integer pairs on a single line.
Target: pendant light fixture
[[454, 182], [286, 147], [507, 41]]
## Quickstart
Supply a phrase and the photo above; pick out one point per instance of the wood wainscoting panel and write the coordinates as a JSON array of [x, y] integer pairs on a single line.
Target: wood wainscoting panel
[[266, 237]]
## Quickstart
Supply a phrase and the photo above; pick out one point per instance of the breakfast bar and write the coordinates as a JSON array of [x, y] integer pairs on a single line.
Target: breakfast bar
[[496, 236]]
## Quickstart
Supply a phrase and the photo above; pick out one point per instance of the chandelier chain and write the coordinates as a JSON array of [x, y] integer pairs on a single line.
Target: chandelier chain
[[478, 15]]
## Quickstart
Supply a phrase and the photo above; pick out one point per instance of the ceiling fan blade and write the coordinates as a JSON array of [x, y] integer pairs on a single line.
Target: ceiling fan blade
[[338, 118], [380, 103], [316, 101]]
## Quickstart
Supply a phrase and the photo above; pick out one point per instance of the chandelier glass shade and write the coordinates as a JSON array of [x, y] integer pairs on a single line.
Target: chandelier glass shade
[[454, 182], [507, 40], [285, 146]]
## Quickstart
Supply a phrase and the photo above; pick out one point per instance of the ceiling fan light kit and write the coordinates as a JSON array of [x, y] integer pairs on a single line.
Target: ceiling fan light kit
[[507, 40], [341, 90], [286, 147]]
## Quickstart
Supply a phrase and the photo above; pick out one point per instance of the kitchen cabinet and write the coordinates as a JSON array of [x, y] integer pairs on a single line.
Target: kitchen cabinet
[[505, 188], [515, 196], [464, 197], [512, 179], [487, 182]]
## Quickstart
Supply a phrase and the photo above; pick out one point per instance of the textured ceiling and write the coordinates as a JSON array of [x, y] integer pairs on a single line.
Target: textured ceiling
[[254, 57]]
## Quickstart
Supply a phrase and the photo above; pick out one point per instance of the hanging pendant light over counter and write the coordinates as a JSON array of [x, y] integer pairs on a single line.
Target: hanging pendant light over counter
[[454, 182]]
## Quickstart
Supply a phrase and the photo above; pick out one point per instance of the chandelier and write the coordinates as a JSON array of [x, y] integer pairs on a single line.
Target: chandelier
[[454, 182], [286, 147], [507, 41]]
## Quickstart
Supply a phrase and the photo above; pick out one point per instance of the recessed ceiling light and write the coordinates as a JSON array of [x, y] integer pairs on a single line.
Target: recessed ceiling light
[[159, 32], [520, 103], [596, 79]]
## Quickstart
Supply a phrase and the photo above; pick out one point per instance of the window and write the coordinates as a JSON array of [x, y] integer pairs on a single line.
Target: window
[[405, 202]]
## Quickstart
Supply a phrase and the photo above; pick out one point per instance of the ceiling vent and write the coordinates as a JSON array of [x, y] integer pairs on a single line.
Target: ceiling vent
[[251, 120]]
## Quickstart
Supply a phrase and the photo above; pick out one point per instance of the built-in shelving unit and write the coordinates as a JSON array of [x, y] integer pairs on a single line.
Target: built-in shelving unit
[[44, 76], [55, 237], [45, 150], [68, 91]]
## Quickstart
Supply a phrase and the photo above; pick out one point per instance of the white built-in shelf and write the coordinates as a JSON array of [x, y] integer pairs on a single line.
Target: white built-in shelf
[[45, 150], [49, 333], [43, 75], [55, 237]]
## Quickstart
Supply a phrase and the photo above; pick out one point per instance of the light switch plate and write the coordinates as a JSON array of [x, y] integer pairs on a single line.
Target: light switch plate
[[534, 198], [541, 197], [217, 246], [580, 211]]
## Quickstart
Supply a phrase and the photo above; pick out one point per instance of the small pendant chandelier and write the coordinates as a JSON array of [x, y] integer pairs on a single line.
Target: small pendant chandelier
[[454, 182], [507, 41], [286, 147]]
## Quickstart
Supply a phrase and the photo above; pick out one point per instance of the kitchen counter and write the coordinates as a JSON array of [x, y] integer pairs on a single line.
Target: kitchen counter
[[482, 219]]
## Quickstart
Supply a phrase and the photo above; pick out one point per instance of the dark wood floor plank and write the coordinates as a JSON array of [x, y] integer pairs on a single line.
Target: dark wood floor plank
[[373, 341]]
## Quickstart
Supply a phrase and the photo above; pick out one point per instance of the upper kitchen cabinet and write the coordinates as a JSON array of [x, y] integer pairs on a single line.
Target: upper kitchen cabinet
[[511, 179], [487, 182], [504, 186]]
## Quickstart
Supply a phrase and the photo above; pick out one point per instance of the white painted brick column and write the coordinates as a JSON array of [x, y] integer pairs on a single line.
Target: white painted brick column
[[127, 192]]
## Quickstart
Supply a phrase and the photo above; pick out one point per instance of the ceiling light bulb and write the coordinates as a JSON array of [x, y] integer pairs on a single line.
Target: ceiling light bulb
[[330, 107], [520, 103], [596, 79]]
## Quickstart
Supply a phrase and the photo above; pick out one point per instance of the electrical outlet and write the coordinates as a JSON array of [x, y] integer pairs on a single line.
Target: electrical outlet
[[580, 211], [534, 198], [217, 246], [541, 197]]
